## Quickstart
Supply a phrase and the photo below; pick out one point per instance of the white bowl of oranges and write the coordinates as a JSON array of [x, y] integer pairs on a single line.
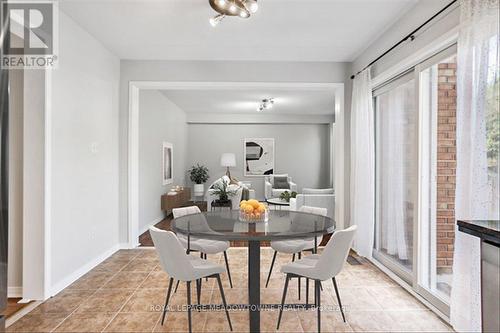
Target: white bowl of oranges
[[253, 211]]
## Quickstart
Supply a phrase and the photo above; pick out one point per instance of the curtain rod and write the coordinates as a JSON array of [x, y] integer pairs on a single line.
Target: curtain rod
[[410, 36]]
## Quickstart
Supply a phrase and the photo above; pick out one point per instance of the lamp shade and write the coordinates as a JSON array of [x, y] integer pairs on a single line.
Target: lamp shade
[[228, 160]]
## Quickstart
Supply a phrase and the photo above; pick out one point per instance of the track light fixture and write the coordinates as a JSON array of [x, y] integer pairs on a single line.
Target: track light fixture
[[241, 8], [266, 104]]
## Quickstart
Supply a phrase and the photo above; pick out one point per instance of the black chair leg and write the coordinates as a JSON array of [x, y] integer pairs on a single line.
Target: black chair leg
[[285, 289], [166, 300], [307, 291], [318, 304], [338, 298], [204, 256], [228, 271], [176, 286], [320, 288], [315, 295], [271, 269], [198, 291], [224, 301], [188, 291], [293, 257], [298, 282]]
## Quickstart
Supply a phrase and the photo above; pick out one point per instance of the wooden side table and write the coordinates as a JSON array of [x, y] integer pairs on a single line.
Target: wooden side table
[[217, 204], [181, 199]]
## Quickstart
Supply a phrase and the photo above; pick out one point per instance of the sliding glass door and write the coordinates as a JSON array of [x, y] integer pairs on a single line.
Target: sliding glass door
[[437, 160], [395, 164], [415, 161]]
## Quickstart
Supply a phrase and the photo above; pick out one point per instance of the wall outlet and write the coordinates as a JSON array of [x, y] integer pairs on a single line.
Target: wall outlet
[[94, 147]]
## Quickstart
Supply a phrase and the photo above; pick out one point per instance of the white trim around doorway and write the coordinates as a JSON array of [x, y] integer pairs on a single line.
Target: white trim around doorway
[[133, 136]]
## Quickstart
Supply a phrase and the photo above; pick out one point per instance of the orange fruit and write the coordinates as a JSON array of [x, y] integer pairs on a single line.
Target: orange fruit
[[243, 202], [254, 203], [248, 209]]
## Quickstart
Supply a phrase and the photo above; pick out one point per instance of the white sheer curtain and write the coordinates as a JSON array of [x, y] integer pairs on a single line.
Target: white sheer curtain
[[477, 165], [362, 163], [395, 142]]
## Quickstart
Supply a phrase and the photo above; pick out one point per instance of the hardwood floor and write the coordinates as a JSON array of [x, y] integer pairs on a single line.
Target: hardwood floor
[[13, 306], [145, 238]]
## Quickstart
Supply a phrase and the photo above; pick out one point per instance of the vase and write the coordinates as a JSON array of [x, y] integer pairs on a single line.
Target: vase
[[199, 190]]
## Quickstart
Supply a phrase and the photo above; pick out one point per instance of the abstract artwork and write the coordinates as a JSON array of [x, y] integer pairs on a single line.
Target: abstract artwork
[[259, 157], [168, 164]]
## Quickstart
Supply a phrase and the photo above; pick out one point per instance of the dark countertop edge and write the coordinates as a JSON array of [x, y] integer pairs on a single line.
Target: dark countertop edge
[[485, 233]]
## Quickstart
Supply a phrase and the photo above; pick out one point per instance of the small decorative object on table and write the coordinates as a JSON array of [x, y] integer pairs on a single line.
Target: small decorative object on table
[[287, 195], [221, 190], [253, 211]]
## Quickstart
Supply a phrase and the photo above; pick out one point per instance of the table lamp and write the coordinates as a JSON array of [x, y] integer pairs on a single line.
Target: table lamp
[[228, 160]]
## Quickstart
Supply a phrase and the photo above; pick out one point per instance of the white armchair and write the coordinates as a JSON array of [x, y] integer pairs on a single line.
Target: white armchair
[[272, 191], [324, 198], [235, 199]]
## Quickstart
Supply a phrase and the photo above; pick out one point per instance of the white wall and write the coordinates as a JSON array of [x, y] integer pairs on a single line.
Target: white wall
[[83, 154], [15, 260], [302, 151], [159, 120], [225, 71], [34, 224]]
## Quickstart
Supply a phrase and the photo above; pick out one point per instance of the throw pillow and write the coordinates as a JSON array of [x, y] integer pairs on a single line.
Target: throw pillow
[[281, 183], [271, 177]]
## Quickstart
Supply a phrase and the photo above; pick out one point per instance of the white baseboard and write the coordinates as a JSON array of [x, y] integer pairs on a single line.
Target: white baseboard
[[15, 292], [82, 270], [155, 221], [127, 246]]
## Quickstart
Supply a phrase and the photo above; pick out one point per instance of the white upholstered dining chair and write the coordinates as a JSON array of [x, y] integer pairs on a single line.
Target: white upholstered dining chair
[[182, 267], [204, 246], [295, 246], [321, 268]]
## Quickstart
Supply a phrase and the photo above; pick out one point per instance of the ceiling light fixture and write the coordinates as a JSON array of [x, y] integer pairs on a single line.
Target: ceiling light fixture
[[266, 104], [241, 8], [214, 21], [252, 5]]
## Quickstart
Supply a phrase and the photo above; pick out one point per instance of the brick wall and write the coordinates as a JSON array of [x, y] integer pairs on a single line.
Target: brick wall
[[446, 164]]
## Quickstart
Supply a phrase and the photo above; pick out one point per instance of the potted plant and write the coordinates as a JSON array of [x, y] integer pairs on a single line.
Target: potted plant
[[198, 175], [221, 190], [285, 196]]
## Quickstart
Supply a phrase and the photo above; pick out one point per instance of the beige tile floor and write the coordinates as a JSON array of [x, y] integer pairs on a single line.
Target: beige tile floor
[[126, 292]]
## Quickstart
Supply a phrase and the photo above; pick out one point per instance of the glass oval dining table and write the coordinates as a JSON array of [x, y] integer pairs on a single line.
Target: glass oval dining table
[[282, 225]]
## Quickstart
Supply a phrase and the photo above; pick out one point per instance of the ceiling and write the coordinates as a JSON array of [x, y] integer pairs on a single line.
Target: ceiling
[[287, 101], [282, 30]]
